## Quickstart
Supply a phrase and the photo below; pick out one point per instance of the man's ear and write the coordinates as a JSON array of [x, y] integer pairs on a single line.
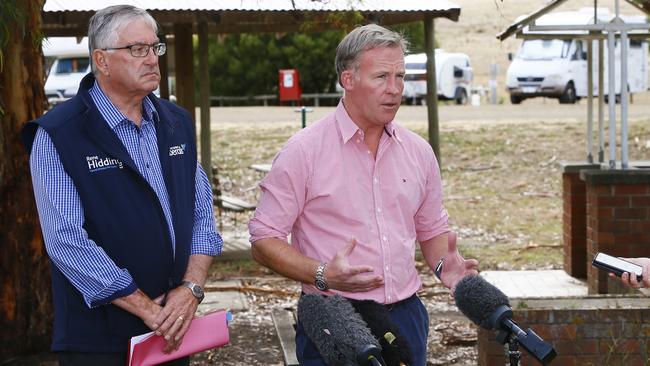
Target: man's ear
[[101, 61], [348, 79]]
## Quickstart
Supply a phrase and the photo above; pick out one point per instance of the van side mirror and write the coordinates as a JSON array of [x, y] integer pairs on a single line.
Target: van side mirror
[[509, 56]]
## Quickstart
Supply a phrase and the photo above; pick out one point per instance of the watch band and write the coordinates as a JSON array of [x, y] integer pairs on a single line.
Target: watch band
[[438, 270], [197, 291], [319, 281]]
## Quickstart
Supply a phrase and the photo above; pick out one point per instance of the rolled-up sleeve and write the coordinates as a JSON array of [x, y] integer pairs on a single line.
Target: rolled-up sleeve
[[431, 218], [283, 194], [205, 238]]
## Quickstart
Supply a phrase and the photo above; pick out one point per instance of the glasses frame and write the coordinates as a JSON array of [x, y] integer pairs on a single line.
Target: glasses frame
[[159, 45]]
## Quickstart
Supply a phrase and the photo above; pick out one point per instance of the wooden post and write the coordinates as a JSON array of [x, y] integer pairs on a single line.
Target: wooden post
[[204, 99], [432, 90], [183, 55]]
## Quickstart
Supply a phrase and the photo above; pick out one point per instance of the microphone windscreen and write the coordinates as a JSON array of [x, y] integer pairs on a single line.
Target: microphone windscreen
[[478, 299], [336, 329]]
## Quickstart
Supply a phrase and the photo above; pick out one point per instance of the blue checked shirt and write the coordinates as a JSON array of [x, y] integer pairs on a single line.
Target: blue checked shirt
[[80, 259]]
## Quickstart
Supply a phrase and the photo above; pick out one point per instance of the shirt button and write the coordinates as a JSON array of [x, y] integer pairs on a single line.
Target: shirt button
[[389, 297], [368, 151], [376, 180], [385, 238], [379, 209], [387, 268]]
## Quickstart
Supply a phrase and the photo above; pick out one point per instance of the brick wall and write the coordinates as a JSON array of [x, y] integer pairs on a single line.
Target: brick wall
[[574, 218], [618, 220], [592, 331]]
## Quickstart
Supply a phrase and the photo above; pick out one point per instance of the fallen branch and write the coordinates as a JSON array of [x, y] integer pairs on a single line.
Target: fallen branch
[[479, 168], [250, 289]]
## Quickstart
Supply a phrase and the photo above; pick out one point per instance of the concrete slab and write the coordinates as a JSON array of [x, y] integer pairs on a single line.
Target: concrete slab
[[235, 246], [536, 284], [226, 299]]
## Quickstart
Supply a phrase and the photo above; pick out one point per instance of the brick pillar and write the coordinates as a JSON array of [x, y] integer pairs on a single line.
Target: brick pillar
[[574, 218], [618, 220]]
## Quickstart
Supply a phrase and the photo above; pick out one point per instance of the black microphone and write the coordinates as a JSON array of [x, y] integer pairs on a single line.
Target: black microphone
[[489, 308], [339, 333], [395, 349]]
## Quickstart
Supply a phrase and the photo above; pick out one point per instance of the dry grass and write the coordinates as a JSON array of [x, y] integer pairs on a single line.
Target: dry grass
[[502, 183]]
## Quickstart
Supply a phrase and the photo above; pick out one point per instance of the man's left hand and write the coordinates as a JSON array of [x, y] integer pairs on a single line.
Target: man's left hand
[[175, 318], [455, 266]]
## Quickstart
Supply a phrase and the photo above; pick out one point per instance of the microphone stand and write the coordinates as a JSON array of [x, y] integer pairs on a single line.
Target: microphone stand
[[513, 353]]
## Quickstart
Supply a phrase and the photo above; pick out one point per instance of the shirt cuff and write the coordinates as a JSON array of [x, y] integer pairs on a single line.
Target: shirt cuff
[[123, 286], [207, 243]]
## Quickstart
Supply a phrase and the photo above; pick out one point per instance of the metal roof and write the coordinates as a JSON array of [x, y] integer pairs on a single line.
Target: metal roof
[[519, 25], [65, 18], [257, 5]]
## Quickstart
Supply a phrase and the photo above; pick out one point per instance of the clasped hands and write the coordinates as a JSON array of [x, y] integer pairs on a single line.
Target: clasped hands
[[172, 318]]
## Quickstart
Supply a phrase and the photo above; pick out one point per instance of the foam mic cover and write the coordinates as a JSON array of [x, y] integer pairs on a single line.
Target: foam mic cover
[[479, 300], [338, 332]]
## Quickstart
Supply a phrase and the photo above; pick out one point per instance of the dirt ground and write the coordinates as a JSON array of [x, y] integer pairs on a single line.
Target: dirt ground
[[452, 339]]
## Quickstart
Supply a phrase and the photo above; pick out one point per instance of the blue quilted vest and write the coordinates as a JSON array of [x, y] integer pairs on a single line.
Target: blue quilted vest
[[122, 214]]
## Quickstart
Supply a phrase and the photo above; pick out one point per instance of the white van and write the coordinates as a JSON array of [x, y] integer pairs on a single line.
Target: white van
[[557, 68], [70, 63], [453, 77]]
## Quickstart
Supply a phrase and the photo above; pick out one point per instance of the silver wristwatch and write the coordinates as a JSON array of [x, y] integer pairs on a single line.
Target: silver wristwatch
[[320, 282], [197, 290]]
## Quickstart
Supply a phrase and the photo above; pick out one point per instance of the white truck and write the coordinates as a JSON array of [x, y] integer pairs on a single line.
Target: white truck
[[453, 77], [70, 63], [557, 68]]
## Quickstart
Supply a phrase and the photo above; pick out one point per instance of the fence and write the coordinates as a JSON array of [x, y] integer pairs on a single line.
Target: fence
[[266, 99]]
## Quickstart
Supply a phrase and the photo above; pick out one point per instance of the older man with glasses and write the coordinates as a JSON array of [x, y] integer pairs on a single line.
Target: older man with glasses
[[125, 209]]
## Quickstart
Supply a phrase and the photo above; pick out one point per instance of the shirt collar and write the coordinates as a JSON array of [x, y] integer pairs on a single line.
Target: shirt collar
[[348, 128], [111, 114]]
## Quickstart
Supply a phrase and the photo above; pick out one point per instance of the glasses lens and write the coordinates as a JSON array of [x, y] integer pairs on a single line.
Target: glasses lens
[[139, 50], [160, 48]]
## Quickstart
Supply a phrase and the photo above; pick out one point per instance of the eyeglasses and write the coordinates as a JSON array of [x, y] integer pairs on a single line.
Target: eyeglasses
[[142, 49]]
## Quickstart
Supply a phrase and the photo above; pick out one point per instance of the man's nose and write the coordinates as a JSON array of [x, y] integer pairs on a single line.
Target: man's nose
[[151, 58], [393, 86]]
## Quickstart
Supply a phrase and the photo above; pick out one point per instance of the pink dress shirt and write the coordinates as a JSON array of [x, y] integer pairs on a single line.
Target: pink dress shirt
[[325, 188]]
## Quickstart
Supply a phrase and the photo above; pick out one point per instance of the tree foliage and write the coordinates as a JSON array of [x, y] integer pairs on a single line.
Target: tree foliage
[[247, 64]]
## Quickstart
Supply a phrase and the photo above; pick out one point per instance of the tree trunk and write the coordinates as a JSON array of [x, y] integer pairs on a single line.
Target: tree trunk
[[25, 295]]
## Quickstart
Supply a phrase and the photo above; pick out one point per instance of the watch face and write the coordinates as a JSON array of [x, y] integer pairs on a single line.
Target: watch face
[[321, 285], [198, 291]]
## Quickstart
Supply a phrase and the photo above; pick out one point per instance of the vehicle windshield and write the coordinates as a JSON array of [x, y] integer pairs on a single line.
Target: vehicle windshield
[[543, 49], [72, 65]]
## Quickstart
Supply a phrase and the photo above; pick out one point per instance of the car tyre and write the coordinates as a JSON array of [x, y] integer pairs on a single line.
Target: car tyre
[[516, 99], [461, 96], [569, 94]]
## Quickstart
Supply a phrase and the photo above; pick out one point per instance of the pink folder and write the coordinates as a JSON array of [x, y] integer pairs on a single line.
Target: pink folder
[[206, 332]]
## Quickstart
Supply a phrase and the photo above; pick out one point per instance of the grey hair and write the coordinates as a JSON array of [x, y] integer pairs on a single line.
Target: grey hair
[[362, 39], [106, 23]]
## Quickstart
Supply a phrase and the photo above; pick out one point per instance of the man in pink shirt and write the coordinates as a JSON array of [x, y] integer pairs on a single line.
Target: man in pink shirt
[[356, 192]]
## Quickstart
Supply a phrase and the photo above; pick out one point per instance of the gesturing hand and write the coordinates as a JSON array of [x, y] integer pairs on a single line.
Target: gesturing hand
[[340, 275], [455, 266]]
